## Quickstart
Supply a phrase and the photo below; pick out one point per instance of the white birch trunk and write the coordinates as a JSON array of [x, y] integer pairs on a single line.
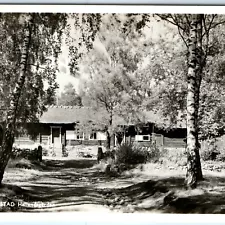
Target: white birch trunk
[[194, 172], [11, 119]]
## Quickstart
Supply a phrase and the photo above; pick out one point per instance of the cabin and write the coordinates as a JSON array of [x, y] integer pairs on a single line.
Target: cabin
[[149, 132], [63, 126], [70, 126]]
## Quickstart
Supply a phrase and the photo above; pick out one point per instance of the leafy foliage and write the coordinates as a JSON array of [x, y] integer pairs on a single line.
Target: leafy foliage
[[69, 96], [110, 66], [163, 79], [26, 154], [169, 73], [40, 84], [31, 48], [80, 35], [209, 150], [134, 154]]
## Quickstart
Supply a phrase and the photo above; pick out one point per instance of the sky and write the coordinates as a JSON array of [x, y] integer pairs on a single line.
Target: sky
[[63, 76]]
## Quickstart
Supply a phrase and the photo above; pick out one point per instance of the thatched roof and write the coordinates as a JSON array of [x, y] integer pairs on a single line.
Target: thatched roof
[[68, 114], [74, 114]]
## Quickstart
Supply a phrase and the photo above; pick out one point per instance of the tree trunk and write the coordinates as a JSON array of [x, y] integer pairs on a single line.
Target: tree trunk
[[201, 61], [108, 140], [199, 168], [12, 114], [194, 172], [109, 132], [198, 83]]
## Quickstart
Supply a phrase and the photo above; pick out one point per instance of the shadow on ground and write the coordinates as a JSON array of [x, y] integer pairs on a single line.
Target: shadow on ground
[[50, 165], [169, 195], [59, 183], [63, 183]]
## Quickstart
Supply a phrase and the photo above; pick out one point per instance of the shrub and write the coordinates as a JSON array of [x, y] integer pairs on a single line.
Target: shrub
[[210, 155], [221, 157], [107, 156], [174, 156], [134, 154], [154, 153], [26, 154], [52, 152], [209, 150]]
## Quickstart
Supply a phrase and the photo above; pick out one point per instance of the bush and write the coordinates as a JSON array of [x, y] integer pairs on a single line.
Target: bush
[[210, 155], [174, 156], [134, 154], [35, 154], [209, 150], [154, 153]]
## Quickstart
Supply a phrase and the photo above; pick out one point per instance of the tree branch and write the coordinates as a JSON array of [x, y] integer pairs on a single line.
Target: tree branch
[[175, 23], [216, 24], [210, 25], [172, 22], [104, 101], [188, 22], [179, 29], [207, 30]]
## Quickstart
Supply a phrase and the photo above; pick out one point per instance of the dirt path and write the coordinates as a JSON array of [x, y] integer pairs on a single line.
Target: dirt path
[[78, 185], [61, 185]]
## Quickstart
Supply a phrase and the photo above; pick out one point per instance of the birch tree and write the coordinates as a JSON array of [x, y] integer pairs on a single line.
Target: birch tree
[[195, 31], [31, 48]]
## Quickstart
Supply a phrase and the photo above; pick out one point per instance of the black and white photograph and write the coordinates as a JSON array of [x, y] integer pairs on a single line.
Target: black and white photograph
[[112, 112]]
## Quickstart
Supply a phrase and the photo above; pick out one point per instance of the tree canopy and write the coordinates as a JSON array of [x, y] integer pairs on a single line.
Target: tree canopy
[[110, 67], [69, 96]]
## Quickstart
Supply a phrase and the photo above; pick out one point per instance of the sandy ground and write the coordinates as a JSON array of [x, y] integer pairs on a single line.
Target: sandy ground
[[80, 185]]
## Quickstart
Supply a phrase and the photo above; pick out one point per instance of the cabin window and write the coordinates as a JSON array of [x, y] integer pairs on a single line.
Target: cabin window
[[74, 135], [79, 136], [93, 136], [142, 137], [146, 138]]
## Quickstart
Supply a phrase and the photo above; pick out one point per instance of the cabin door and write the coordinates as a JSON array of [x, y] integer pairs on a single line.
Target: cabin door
[[56, 140]]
